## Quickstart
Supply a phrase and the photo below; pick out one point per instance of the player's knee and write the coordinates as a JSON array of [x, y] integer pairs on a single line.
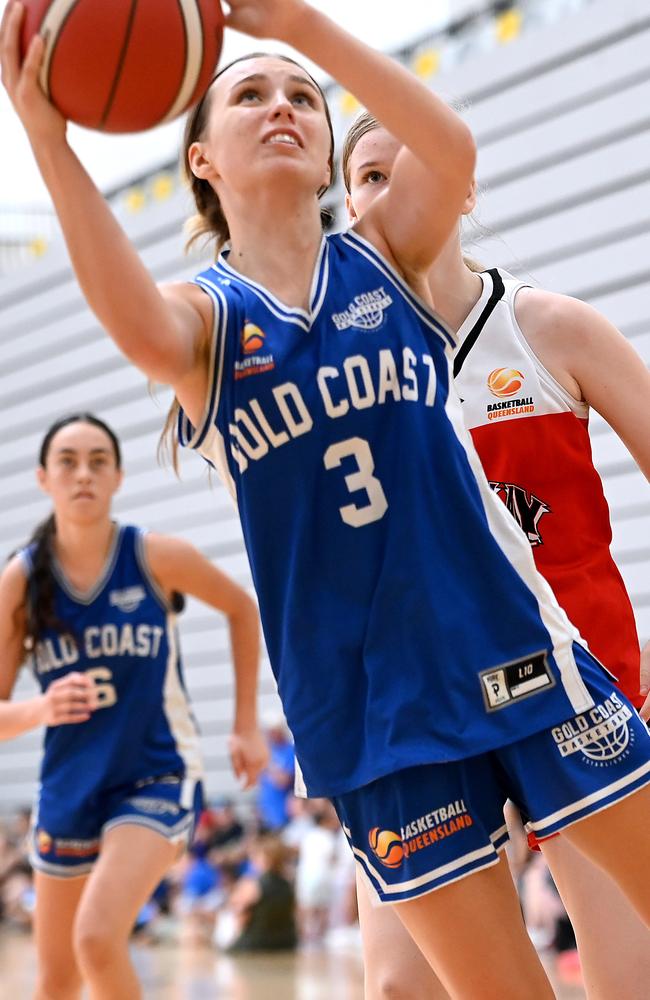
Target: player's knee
[[58, 982], [95, 947], [391, 984]]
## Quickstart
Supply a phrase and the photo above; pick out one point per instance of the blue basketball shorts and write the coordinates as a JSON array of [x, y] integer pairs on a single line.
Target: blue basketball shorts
[[424, 827], [66, 843]]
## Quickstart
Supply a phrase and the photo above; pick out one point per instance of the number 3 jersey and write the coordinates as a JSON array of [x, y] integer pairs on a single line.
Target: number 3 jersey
[[403, 616], [533, 442], [123, 634]]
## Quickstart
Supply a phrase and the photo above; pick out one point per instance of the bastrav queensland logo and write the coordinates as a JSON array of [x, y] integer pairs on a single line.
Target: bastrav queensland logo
[[365, 312], [601, 735]]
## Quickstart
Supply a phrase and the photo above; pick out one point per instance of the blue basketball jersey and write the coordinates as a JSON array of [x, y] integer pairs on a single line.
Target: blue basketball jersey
[[403, 615], [123, 634]]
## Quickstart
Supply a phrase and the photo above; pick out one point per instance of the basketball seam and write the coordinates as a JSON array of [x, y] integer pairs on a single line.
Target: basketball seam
[[55, 42], [186, 43], [120, 65]]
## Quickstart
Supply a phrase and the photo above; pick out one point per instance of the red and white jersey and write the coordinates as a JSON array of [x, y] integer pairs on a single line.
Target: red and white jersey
[[531, 436]]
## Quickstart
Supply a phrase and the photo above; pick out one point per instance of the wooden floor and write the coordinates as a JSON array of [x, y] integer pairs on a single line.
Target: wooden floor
[[170, 972]]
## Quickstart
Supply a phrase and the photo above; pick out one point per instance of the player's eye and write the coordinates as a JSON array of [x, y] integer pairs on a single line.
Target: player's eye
[[374, 177], [303, 98], [248, 96]]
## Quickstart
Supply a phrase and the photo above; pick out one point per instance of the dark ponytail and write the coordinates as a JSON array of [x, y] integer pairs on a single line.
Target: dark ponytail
[[41, 613]]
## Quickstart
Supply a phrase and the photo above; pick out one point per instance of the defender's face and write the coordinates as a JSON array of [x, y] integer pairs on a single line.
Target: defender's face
[[266, 124], [80, 473], [371, 165]]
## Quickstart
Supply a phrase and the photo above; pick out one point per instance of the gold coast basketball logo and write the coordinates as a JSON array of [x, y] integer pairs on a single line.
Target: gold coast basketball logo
[[254, 362], [602, 734], [387, 846], [505, 383]]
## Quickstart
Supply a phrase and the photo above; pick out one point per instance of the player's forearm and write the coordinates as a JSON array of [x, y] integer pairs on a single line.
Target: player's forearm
[[404, 106], [245, 644], [115, 283], [17, 717]]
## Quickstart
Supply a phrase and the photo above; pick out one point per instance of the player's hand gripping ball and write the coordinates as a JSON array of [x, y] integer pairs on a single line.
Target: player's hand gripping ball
[[125, 65]]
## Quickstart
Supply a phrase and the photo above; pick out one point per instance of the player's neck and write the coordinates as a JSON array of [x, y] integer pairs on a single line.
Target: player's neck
[[455, 289], [277, 249], [82, 549]]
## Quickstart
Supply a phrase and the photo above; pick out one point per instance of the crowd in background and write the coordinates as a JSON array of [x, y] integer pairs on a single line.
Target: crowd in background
[[276, 876]]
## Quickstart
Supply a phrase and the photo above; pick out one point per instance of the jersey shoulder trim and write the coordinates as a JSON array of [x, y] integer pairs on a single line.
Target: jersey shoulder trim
[[422, 309], [188, 435], [140, 552], [478, 317]]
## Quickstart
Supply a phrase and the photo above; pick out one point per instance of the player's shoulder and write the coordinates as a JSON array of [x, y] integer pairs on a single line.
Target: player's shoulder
[[541, 311], [13, 579]]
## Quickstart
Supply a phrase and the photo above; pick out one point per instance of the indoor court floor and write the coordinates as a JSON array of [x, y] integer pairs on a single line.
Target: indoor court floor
[[170, 972]]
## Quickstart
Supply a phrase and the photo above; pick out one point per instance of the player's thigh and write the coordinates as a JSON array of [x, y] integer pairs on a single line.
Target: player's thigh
[[600, 912], [132, 861], [57, 902], [616, 839], [394, 966], [472, 933]]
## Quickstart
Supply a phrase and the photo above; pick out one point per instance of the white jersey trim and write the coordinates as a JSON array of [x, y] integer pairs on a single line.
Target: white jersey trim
[[517, 550], [177, 710], [189, 436]]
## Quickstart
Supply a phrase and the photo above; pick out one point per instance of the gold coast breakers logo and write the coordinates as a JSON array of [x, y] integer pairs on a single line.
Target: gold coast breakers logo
[[505, 383], [602, 735], [252, 344], [392, 848]]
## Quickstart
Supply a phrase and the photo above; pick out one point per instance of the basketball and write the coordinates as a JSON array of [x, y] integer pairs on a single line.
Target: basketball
[[387, 846], [126, 65]]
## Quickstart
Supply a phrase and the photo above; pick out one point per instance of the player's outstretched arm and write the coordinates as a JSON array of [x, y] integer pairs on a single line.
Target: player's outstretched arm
[[68, 700], [434, 172], [160, 333], [177, 565]]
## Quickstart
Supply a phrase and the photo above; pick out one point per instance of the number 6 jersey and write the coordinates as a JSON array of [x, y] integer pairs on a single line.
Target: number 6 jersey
[[404, 618], [123, 634]]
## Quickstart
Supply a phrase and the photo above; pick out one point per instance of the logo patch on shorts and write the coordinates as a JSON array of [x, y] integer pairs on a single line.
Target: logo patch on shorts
[[514, 681], [392, 848], [602, 734], [156, 807]]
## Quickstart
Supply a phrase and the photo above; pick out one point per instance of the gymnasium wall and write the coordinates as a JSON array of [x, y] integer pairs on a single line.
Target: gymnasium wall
[[560, 111]]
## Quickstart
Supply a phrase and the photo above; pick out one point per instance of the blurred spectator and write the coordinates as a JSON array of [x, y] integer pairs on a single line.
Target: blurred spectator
[[276, 782], [261, 910], [219, 825], [300, 821], [315, 872], [200, 897]]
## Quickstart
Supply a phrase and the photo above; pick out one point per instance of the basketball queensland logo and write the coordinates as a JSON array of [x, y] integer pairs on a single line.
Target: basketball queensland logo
[[602, 735], [505, 384], [392, 848], [256, 359]]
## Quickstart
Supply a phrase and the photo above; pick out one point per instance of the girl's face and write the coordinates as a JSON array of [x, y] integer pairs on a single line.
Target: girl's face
[[266, 123], [370, 166], [81, 473]]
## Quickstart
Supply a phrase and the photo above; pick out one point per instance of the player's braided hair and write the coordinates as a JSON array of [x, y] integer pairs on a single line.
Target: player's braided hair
[[41, 613]]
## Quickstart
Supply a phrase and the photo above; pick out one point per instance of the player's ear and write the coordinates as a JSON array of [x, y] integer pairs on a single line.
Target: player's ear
[[349, 208], [41, 478], [470, 200], [199, 163]]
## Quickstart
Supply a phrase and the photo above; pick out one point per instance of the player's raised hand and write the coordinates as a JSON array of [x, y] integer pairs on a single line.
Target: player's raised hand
[[41, 119], [71, 699], [265, 18], [644, 685], [249, 755]]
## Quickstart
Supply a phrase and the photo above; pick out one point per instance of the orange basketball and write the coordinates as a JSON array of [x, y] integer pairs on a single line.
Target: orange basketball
[[125, 65], [505, 381], [387, 846]]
